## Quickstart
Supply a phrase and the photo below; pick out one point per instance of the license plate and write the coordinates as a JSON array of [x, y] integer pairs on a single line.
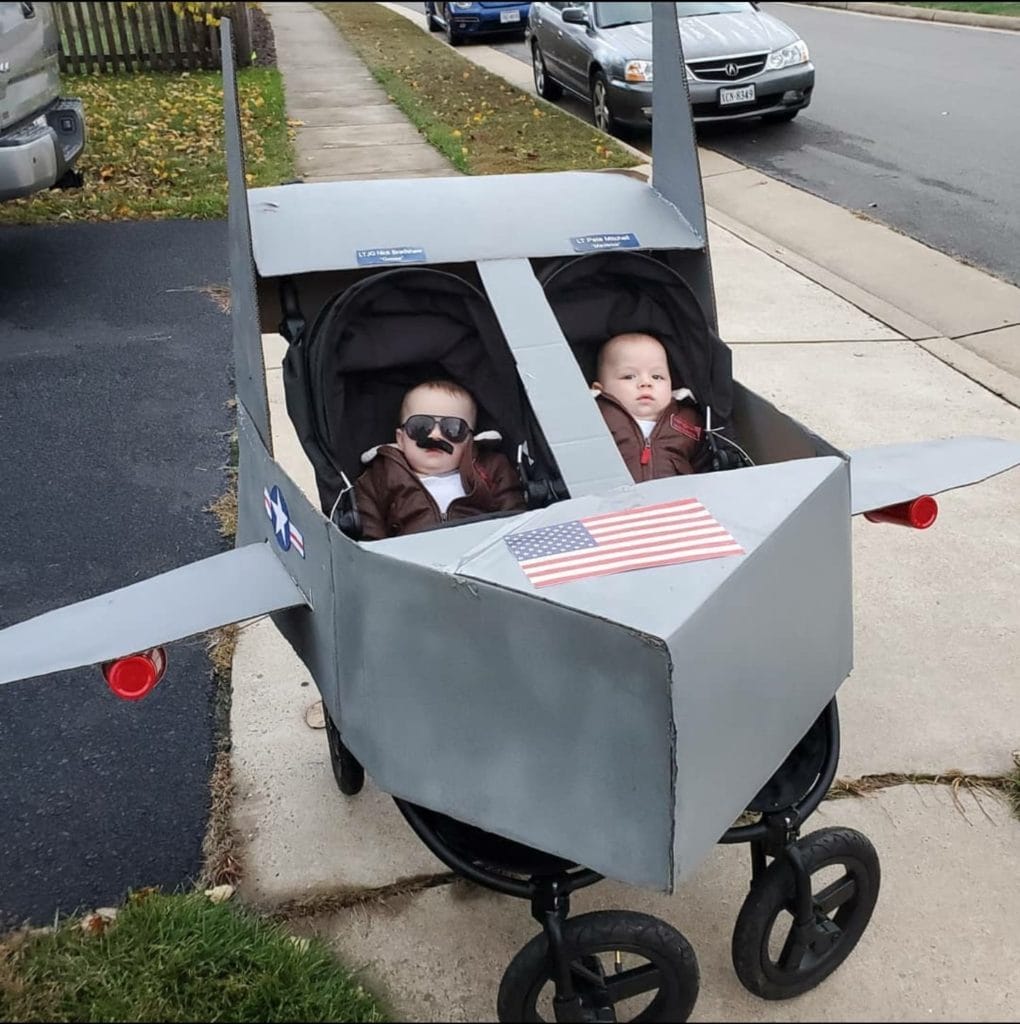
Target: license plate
[[509, 16], [730, 97]]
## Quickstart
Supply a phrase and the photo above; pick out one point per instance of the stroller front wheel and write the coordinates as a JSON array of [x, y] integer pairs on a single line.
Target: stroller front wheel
[[347, 769], [621, 962], [777, 957]]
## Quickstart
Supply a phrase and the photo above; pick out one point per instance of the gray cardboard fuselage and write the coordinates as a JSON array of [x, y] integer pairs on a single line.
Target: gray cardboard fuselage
[[620, 722]]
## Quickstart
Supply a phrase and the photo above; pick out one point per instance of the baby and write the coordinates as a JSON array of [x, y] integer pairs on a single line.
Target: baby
[[433, 472], [658, 431]]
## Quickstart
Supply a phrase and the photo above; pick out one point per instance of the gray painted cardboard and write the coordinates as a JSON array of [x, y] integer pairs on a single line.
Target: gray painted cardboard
[[588, 459], [321, 226], [228, 587], [676, 171], [249, 368], [889, 474]]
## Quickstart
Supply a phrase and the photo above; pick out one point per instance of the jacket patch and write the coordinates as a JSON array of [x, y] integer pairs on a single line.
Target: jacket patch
[[681, 426], [482, 475]]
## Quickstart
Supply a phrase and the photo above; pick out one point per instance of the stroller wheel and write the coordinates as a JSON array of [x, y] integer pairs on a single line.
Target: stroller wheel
[[772, 957], [624, 966], [347, 769]]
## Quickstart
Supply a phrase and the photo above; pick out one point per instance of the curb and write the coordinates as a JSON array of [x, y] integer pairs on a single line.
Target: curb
[[934, 14]]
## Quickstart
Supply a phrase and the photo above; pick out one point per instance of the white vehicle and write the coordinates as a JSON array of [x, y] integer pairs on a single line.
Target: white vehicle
[[42, 134]]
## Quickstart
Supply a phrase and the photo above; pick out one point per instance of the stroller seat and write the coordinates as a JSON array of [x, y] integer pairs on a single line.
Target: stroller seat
[[369, 344], [601, 294]]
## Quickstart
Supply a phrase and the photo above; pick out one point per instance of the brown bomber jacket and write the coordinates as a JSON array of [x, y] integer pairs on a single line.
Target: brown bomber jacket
[[671, 446], [393, 501]]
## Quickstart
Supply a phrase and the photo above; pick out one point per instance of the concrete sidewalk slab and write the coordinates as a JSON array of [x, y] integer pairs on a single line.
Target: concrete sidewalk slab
[[941, 945], [342, 136], [749, 283], [323, 77], [391, 161], [1001, 347], [328, 116]]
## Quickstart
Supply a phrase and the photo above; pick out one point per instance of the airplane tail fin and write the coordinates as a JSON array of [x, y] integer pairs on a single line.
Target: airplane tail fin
[[676, 171], [248, 361]]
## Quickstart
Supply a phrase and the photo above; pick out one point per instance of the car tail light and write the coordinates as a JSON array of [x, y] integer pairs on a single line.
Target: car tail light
[[919, 513], [135, 675]]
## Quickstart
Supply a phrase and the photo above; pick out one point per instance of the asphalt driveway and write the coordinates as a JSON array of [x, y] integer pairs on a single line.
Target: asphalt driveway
[[114, 435]]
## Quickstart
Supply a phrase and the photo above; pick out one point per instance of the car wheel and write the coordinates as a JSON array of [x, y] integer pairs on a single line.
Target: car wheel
[[453, 37], [430, 19], [544, 85], [601, 109], [780, 116]]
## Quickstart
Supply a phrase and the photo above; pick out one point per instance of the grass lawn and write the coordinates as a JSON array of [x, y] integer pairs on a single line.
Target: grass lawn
[[176, 958], [154, 147], [1005, 8], [481, 123]]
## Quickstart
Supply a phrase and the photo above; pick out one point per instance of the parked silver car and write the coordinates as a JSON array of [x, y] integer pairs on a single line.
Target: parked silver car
[[41, 134], [741, 62]]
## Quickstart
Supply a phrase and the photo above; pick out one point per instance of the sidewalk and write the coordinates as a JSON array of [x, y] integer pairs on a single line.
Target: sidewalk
[[934, 686]]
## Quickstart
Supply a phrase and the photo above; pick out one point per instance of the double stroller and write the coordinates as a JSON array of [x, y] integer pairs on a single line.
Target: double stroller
[[345, 377]]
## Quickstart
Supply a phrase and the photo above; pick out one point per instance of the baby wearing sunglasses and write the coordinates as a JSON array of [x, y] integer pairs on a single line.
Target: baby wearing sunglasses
[[434, 471], [657, 430]]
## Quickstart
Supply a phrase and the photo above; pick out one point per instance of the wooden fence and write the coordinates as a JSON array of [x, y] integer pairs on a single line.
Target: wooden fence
[[121, 38]]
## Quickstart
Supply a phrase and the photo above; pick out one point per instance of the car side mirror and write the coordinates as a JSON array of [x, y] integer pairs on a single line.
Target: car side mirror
[[575, 16]]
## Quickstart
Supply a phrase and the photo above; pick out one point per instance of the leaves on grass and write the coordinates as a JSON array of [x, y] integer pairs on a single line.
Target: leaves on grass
[[219, 893], [450, 101], [155, 147]]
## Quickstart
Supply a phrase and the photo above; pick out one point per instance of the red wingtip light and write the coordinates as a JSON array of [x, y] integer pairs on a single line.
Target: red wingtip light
[[135, 676], [919, 513]]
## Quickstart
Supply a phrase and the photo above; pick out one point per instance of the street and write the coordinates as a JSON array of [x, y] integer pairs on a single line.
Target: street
[[113, 429], [912, 124]]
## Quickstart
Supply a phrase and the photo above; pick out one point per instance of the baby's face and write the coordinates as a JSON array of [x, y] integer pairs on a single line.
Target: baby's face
[[426, 401], [634, 370]]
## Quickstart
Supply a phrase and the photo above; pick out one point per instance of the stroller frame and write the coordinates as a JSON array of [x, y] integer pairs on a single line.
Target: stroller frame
[[815, 947]]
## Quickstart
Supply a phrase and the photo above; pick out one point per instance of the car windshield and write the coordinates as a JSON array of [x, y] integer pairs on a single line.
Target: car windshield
[[615, 15]]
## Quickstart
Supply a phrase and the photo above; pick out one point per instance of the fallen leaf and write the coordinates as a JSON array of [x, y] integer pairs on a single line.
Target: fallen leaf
[[220, 893], [98, 921]]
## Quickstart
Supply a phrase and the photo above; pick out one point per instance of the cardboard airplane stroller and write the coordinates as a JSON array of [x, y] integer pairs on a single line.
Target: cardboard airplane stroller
[[542, 727]]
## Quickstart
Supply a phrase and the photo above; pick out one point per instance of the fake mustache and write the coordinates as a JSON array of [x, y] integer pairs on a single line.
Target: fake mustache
[[436, 442]]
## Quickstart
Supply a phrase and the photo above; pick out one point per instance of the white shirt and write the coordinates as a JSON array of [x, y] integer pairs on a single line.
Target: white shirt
[[647, 426], [444, 488]]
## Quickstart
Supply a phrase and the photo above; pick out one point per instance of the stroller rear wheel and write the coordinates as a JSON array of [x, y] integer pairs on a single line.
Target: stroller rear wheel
[[775, 955], [620, 963], [347, 769]]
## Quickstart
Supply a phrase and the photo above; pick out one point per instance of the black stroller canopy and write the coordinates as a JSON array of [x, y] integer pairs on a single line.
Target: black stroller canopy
[[382, 336], [602, 294]]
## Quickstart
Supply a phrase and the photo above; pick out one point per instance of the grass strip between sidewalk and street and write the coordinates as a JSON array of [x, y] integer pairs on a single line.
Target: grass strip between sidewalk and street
[[175, 958], [478, 121], [987, 8], [154, 147]]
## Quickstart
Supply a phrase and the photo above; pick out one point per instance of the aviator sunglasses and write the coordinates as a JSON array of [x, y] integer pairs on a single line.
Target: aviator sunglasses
[[453, 428]]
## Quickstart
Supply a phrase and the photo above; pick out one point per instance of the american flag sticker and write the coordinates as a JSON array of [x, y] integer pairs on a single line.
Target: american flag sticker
[[639, 538]]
